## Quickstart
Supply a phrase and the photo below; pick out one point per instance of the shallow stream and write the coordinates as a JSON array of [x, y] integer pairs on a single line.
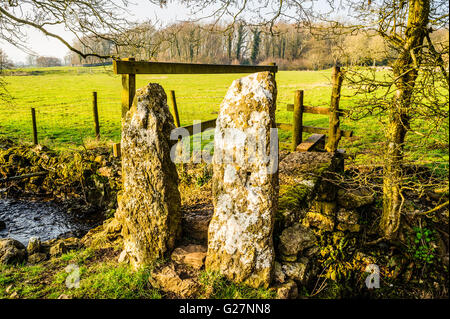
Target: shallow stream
[[21, 220]]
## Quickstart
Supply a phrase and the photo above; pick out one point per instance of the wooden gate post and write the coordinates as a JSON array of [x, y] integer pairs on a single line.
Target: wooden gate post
[[95, 110], [297, 127], [334, 132], [128, 90], [175, 108], [33, 118]]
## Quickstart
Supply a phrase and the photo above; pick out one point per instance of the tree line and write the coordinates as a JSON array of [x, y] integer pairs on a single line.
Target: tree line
[[289, 45]]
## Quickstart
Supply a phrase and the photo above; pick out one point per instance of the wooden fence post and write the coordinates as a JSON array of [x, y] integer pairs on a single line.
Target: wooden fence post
[[96, 121], [274, 64], [334, 132], [297, 127], [175, 108], [33, 118], [128, 90], [116, 150]]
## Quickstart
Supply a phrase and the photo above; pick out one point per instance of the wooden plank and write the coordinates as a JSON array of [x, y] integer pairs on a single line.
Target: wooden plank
[[315, 110], [312, 142], [284, 126], [204, 125], [95, 110], [175, 108], [144, 67], [297, 120], [334, 133], [128, 90], [33, 119], [116, 150], [312, 129]]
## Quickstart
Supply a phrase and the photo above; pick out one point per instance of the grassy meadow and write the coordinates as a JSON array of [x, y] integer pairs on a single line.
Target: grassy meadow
[[62, 97]]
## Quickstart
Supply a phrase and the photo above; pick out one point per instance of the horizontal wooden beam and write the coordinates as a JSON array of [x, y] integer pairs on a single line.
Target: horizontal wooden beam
[[142, 67], [284, 126], [316, 110], [312, 129], [203, 125]]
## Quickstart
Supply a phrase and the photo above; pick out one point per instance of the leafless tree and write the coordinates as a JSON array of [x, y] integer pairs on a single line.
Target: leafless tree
[[100, 18]]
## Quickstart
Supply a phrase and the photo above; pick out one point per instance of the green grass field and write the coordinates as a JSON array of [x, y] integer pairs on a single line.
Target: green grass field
[[62, 98]]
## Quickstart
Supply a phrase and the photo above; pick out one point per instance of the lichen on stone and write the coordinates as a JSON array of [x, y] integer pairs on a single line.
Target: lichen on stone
[[244, 187], [149, 206]]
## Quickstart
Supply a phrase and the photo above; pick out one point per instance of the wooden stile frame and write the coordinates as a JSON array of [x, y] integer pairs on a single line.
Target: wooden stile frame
[[128, 68]]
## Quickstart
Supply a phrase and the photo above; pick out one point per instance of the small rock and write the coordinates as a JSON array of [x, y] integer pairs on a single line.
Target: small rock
[[288, 257], [14, 295], [98, 159], [191, 255], [318, 220], [296, 270], [324, 208], [105, 171], [349, 227], [295, 239], [64, 296], [34, 245], [278, 274], [8, 289], [123, 257], [311, 251], [168, 280], [348, 220], [37, 258], [347, 216], [287, 290], [12, 251], [58, 249]]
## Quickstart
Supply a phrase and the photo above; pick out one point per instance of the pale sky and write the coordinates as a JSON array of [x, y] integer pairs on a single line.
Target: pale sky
[[46, 46], [141, 10]]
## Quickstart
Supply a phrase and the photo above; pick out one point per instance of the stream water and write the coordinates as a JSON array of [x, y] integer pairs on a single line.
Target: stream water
[[24, 219]]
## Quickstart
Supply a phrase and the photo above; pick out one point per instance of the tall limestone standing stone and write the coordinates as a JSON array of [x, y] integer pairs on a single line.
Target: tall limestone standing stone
[[149, 207], [245, 183]]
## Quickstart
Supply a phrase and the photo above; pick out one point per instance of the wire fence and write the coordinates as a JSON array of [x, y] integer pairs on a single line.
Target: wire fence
[[69, 119], [64, 120]]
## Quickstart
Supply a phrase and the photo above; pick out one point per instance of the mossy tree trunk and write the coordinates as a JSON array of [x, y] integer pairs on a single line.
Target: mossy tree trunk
[[405, 69]]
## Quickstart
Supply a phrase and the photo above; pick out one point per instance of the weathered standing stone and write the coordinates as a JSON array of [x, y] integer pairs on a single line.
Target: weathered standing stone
[[245, 184], [149, 207]]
